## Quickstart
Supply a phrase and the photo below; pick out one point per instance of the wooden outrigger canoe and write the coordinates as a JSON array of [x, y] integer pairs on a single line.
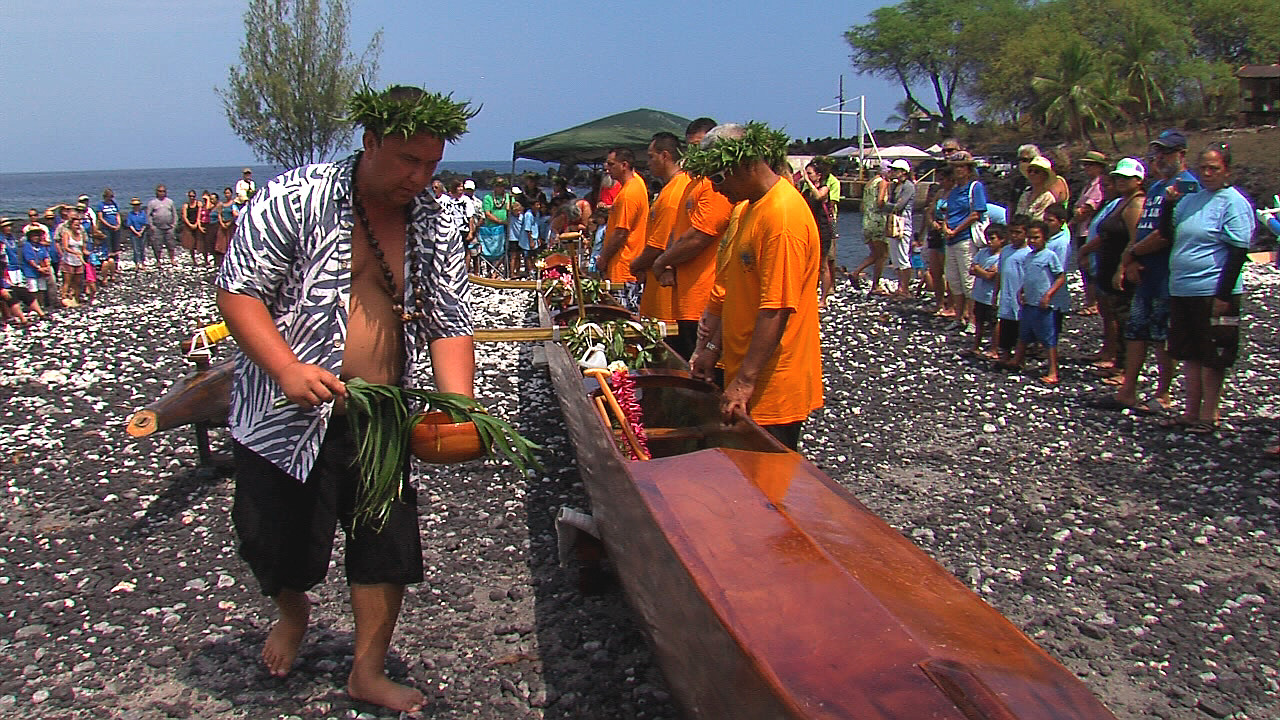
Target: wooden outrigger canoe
[[768, 591]]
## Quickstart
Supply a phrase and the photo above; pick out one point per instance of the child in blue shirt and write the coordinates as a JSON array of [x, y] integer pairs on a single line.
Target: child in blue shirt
[[1007, 309], [1059, 244], [522, 230], [1042, 276], [985, 270]]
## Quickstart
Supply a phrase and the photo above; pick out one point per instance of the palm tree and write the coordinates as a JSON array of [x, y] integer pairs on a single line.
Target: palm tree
[[1113, 88], [1071, 92], [1136, 60]]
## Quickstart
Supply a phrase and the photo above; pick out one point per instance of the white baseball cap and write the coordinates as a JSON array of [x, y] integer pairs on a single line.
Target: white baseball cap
[[900, 164], [469, 184], [1130, 167]]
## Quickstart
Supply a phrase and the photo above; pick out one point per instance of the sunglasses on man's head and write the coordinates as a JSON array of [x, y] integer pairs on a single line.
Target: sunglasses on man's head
[[717, 178]]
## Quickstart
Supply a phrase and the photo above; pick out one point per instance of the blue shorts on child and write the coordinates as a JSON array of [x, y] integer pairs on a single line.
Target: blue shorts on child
[[1038, 324]]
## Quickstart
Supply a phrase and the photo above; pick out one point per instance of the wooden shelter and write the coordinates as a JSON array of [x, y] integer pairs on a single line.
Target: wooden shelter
[[1259, 94]]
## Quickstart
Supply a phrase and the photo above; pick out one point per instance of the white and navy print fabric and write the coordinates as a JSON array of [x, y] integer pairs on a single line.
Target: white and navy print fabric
[[292, 250]]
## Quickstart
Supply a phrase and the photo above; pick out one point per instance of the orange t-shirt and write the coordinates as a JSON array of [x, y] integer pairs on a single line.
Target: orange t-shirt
[[708, 211], [657, 299], [630, 212], [772, 263]]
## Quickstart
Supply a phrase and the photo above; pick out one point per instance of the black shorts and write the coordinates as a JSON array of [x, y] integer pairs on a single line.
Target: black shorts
[[20, 295], [286, 528], [687, 339], [787, 434], [1008, 331], [983, 314], [1196, 336]]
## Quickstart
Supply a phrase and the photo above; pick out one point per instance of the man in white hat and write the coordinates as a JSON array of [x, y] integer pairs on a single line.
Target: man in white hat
[[245, 185], [474, 208], [902, 196]]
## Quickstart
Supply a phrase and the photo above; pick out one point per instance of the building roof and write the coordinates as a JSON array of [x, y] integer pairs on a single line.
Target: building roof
[[1259, 71]]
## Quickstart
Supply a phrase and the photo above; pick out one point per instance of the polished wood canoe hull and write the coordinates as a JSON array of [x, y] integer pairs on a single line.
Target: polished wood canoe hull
[[768, 591]]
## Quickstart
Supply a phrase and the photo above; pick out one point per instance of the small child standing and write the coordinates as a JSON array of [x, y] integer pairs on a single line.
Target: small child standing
[[1059, 244], [1042, 276], [985, 270], [521, 228], [1007, 309]]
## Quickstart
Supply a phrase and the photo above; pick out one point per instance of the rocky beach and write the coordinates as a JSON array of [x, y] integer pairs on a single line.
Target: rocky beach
[[1146, 560]]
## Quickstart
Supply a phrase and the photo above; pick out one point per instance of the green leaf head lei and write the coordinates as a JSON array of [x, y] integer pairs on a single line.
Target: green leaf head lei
[[734, 146], [408, 111]]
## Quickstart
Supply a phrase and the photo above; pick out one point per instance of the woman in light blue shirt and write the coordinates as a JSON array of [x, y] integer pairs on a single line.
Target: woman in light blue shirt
[[1211, 232]]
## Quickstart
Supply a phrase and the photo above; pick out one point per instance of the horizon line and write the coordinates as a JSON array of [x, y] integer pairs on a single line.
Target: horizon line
[[207, 167]]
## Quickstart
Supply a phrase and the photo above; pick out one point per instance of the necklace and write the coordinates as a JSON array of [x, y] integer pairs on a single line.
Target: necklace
[[397, 299]]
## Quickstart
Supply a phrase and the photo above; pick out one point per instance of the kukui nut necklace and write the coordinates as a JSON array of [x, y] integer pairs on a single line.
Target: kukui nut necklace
[[397, 299]]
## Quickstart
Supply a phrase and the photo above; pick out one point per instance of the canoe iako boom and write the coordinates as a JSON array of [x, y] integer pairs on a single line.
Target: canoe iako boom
[[203, 396], [768, 591]]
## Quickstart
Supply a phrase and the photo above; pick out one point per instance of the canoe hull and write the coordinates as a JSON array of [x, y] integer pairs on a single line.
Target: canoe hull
[[767, 590]]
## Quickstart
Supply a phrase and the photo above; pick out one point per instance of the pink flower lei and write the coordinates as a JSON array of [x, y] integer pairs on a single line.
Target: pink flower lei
[[624, 389]]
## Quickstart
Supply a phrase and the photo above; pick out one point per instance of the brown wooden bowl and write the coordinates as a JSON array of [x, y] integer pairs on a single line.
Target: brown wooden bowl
[[438, 439], [558, 260]]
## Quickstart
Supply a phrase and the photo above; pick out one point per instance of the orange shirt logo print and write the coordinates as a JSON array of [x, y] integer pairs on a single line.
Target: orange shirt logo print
[[748, 259]]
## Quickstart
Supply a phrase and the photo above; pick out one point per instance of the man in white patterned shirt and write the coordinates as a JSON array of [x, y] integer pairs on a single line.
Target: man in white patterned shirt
[[337, 271]]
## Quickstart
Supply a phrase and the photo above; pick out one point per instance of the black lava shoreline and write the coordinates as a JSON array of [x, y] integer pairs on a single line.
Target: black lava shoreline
[[1145, 560]]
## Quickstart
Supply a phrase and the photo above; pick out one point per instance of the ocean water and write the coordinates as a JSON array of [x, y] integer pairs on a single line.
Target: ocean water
[[19, 191]]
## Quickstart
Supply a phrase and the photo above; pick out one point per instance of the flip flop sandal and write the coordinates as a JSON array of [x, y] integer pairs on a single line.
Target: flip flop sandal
[[1173, 423], [1202, 427], [1113, 380]]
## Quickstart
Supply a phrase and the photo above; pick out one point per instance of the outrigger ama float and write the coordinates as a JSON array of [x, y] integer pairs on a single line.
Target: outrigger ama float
[[765, 588]]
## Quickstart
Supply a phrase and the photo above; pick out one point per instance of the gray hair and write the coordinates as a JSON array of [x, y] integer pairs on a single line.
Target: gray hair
[[727, 131], [1029, 151]]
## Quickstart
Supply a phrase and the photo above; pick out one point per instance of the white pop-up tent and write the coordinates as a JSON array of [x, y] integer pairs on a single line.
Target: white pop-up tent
[[893, 152]]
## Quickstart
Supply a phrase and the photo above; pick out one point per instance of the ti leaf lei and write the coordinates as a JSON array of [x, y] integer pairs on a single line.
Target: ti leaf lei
[[636, 352], [758, 142], [431, 113], [382, 424]]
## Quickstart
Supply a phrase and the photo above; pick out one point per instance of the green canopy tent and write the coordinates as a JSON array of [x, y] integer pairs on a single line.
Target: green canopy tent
[[590, 142]]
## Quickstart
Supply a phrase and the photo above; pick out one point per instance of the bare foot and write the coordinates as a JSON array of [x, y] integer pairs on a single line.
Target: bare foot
[[380, 690], [281, 647]]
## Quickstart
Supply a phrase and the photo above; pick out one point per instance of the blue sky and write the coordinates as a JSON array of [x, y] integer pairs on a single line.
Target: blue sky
[[95, 85]]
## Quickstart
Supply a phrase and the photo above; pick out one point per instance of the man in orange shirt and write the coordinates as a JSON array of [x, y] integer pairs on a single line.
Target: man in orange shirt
[[664, 163], [762, 320], [624, 234], [688, 265]]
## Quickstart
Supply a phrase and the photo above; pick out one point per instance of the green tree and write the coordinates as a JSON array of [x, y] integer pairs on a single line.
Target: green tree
[[1236, 32], [934, 43], [1071, 92], [286, 99]]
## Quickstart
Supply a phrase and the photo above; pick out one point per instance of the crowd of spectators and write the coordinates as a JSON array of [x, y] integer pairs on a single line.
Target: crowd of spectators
[[1159, 242], [64, 256]]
